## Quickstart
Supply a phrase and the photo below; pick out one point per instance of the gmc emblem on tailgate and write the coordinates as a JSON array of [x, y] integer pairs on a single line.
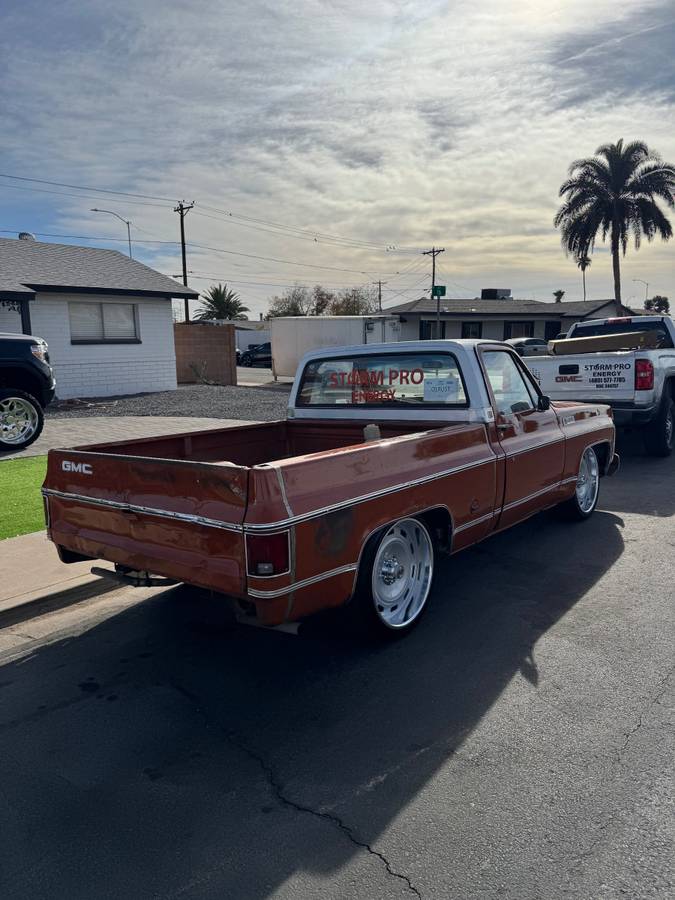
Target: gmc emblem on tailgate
[[81, 468]]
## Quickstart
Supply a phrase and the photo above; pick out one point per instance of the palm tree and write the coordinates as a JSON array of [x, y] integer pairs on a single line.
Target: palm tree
[[221, 303], [615, 193], [583, 263]]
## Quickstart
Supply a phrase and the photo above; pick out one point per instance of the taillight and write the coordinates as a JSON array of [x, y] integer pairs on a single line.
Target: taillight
[[644, 375], [267, 554]]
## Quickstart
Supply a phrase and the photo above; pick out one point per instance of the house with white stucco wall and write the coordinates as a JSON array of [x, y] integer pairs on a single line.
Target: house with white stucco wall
[[106, 318]]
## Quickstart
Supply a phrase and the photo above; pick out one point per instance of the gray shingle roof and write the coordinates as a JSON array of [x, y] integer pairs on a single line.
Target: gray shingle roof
[[26, 266], [502, 308]]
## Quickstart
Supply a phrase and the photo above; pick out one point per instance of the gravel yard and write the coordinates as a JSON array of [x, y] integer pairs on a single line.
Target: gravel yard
[[217, 401]]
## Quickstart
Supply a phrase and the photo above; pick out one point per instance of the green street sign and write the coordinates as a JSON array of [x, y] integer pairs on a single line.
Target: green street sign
[[439, 290]]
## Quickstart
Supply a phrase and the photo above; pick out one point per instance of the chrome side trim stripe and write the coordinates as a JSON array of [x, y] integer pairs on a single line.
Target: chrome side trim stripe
[[478, 521], [557, 440], [533, 496], [306, 582], [382, 492], [144, 510]]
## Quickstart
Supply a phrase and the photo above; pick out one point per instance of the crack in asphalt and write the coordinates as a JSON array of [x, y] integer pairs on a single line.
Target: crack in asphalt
[[277, 792], [638, 725]]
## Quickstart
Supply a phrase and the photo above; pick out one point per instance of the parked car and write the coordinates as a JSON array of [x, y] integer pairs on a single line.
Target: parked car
[[391, 454], [27, 385], [258, 355], [628, 363], [529, 346]]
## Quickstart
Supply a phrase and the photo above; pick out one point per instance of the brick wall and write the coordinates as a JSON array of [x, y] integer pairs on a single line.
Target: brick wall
[[210, 349]]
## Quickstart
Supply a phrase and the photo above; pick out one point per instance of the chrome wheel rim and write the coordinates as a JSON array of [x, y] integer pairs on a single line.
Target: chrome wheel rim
[[18, 420], [402, 573], [588, 481]]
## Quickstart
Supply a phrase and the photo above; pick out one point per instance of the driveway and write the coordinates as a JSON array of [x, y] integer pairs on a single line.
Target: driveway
[[75, 431], [517, 745]]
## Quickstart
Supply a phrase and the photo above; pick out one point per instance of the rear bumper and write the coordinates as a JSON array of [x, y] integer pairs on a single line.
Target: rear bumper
[[633, 415]]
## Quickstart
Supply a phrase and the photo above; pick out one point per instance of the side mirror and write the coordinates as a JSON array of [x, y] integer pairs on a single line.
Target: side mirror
[[544, 403]]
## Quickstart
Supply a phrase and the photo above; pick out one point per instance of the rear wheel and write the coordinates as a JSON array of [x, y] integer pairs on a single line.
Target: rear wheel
[[395, 579], [21, 419], [659, 436], [586, 490]]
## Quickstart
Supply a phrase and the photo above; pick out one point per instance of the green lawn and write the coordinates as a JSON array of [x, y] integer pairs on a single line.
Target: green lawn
[[21, 509]]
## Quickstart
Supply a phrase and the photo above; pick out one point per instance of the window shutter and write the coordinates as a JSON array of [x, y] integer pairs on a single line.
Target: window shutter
[[86, 323]]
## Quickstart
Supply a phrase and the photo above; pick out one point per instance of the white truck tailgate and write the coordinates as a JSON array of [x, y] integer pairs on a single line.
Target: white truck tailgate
[[589, 376]]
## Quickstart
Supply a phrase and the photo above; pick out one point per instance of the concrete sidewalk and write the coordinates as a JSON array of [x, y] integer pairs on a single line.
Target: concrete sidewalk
[[31, 574], [71, 432]]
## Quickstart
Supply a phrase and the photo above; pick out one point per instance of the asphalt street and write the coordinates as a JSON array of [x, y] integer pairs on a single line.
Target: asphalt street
[[518, 744]]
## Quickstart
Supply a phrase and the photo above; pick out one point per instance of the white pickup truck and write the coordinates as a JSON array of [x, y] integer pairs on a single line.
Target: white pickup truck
[[637, 381]]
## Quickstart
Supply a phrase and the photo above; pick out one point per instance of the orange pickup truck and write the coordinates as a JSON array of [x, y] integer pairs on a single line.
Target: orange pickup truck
[[390, 455]]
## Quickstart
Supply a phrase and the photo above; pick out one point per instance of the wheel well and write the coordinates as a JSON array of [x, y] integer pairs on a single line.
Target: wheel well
[[13, 377], [602, 452], [439, 524]]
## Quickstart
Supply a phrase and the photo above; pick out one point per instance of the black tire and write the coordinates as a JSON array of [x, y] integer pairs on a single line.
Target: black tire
[[575, 509], [363, 612], [659, 435], [10, 438]]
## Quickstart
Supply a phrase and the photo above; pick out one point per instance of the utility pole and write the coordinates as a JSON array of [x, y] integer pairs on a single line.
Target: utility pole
[[433, 253], [183, 209], [379, 293]]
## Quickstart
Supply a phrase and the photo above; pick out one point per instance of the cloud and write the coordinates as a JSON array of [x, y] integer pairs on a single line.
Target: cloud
[[450, 123]]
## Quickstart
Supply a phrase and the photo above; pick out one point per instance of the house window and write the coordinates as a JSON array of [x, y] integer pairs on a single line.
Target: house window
[[472, 330], [518, 329], [428, 330], [103, 323]]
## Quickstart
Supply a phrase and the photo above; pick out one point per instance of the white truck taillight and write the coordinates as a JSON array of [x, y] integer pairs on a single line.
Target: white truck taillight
[[644, 375], [268, 554]]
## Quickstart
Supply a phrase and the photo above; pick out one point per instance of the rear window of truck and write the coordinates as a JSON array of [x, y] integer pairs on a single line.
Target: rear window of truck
[[598, 329], [392, 379]]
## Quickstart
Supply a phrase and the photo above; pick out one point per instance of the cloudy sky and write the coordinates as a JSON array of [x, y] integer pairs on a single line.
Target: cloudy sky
[[365, 131]]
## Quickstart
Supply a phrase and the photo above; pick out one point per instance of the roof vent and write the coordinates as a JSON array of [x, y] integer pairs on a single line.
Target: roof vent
[[26, 236]]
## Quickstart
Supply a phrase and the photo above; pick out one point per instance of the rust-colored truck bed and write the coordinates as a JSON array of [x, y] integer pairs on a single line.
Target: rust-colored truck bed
[[285, 515]]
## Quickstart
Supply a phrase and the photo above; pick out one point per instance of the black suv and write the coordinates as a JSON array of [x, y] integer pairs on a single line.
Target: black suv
[[27, 385], [257, 355]]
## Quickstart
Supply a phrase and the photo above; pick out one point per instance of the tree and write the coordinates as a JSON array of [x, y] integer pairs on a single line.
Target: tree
[[615, 193], [658, 304], [219, 302], [300, 301], [353, 302], [558, 296], [583, 263]]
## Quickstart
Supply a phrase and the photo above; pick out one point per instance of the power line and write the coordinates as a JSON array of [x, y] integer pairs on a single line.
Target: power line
[[79, 187], [244, 221], [20, 187]]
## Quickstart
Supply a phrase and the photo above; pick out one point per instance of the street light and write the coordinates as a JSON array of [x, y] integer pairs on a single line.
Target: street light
[[646, 284], [126, 222]]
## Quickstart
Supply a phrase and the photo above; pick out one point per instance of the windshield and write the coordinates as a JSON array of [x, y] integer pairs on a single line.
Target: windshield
[[595, 329], [420, 378]]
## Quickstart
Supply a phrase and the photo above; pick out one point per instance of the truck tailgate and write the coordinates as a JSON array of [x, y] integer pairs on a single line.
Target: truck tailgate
[[589, 376], [170, 517]]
